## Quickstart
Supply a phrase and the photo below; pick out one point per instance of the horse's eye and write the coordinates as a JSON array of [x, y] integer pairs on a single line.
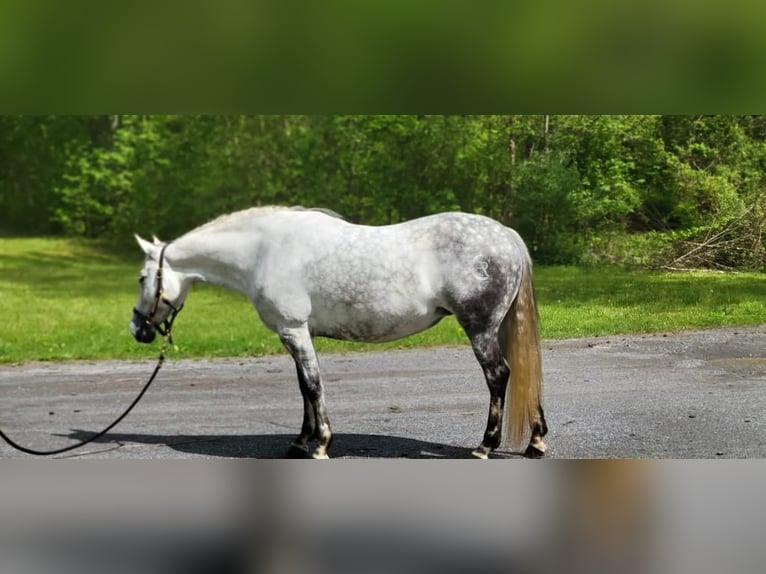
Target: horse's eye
[[142, 279]]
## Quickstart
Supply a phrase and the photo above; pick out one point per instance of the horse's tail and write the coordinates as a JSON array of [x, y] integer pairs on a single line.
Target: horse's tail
[[521, 336]]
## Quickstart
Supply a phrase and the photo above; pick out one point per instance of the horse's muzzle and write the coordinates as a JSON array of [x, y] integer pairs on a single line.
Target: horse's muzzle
[[142, 330]]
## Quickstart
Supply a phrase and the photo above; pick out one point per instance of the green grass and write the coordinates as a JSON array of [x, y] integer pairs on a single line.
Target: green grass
[[580, 302], [63, 299]]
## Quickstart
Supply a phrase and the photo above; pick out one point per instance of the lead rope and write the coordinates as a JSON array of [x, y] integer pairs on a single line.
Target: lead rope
[[165, 339]]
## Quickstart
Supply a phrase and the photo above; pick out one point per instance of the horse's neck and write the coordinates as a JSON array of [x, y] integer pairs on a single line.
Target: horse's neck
[[211, 257]]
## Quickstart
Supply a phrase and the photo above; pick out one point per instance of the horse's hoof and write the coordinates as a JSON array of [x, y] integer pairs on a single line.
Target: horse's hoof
[[535, 451], [480, 454], [296, 450], [320, 456]]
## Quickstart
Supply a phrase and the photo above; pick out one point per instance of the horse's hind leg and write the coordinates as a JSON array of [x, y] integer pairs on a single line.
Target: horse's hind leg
[[496, 371], [537, 446], [315, 421]]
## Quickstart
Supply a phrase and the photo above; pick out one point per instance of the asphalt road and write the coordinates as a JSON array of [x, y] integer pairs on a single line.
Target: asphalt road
[[690, 395]]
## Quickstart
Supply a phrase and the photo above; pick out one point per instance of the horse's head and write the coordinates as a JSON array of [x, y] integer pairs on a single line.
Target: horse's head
[[160, 296]]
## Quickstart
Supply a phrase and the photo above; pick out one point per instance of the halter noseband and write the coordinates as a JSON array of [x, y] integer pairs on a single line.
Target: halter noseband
[[167, 324]]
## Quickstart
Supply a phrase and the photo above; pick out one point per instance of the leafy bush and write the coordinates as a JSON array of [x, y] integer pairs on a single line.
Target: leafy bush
[[638, 189]]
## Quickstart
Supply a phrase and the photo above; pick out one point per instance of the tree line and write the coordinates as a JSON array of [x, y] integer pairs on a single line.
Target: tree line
[[651, 189]]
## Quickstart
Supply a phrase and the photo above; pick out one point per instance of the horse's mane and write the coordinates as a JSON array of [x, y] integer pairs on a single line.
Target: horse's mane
[[238, 217]]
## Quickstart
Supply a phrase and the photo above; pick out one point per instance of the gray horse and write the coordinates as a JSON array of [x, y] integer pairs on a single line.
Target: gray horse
[[310, 273]]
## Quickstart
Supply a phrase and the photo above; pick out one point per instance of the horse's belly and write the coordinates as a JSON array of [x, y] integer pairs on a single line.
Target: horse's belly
[[371, 325]]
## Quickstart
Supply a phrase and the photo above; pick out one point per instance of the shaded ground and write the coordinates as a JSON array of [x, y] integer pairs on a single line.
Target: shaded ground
[[690, 395]]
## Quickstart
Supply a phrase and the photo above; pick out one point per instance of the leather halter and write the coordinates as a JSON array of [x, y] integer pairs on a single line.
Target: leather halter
[[148, 319]]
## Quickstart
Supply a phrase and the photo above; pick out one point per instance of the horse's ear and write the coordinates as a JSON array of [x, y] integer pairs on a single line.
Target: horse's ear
[[156, 240], [148, 248]]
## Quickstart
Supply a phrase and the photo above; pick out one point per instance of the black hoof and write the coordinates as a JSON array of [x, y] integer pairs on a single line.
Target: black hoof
[[533, 452], [296, 451]]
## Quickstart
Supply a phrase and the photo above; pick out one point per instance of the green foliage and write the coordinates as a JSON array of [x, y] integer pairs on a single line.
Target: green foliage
[[599, 148], [569, 184], [32, 163], [103, 190], [542, 207]]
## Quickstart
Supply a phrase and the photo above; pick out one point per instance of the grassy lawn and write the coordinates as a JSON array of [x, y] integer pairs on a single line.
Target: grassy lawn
[[63, 299]]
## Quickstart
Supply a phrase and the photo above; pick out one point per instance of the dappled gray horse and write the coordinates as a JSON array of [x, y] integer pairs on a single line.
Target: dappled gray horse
[[310, 273]]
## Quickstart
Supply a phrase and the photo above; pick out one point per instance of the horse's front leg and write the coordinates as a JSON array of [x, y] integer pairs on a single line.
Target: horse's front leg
[[316, 424], [300, 446]]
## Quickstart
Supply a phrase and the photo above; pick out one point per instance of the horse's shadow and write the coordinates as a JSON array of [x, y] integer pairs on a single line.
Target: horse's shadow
[[276, 446]]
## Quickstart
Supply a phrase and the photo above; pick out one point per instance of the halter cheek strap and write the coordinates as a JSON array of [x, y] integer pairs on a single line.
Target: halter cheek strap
[[167, 324]]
